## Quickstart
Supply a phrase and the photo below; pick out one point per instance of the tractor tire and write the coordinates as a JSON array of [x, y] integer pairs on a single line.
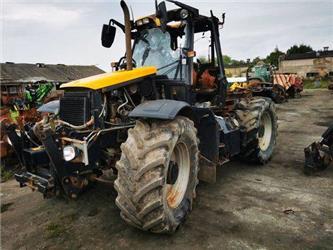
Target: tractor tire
[[157, 174], [278, 94], [258, 123]]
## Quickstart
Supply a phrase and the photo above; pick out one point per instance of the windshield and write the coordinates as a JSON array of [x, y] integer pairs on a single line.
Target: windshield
[[153, 48]]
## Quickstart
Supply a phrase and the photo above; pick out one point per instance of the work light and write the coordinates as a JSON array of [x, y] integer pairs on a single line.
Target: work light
[[69, 153]]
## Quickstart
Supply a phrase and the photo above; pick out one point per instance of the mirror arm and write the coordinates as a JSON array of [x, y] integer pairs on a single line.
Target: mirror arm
[[120, 25], [223, 19]]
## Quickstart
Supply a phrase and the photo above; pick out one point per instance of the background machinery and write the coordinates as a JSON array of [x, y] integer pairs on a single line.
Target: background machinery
[[263, 80], [150, 122], [19, 109], [319, 155]]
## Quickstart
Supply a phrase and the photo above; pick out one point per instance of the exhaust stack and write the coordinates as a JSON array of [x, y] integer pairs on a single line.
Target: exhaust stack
[[127, 23]]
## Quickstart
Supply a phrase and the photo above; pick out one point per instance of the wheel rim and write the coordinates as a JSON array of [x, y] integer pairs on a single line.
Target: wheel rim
[[265, 131], [178, 175]]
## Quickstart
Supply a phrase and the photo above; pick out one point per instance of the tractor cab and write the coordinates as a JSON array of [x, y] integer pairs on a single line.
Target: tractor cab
[[165, 40], [261, 72]]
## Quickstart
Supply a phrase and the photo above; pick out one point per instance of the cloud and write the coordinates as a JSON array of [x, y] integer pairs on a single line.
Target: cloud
[[68, 31], [41, 14]]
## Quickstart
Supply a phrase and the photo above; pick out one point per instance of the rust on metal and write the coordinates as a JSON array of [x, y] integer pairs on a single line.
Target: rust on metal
[[172, 196]]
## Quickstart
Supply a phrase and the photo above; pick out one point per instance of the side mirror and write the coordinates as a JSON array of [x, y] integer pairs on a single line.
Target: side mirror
[[108, 35]]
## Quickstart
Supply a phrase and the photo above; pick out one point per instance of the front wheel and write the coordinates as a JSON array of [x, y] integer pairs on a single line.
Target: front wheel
[[157, 174]]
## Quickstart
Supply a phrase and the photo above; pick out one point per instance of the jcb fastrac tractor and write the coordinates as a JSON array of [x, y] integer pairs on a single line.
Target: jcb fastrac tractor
[[155, 121]]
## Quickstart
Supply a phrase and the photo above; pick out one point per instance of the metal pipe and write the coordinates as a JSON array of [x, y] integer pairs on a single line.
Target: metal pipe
[[128, 38], [87, 124], [122, 105]]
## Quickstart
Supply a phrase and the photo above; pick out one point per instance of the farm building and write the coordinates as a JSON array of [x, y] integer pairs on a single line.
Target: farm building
[[14, 77], [236, 71], [308, 65]]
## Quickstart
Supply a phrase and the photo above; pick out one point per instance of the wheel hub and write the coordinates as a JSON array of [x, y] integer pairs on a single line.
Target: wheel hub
[[178, 175], [265, 131]]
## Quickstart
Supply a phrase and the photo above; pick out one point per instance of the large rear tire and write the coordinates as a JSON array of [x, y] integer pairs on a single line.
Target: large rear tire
[[258, 121], [278, 94], [157, 174]]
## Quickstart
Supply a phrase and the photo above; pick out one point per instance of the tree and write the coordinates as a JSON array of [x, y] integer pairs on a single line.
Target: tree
[[227, 60], [256, 60], [203, 59], [297, 49], [273, 57]]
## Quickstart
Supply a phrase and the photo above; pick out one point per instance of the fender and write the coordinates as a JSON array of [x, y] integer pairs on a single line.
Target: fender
[[168, 110], [161, 109], [50, 107]]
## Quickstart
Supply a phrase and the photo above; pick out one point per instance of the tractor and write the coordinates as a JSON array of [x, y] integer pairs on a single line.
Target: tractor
[[263, 80], [156, 122], [19, 107]]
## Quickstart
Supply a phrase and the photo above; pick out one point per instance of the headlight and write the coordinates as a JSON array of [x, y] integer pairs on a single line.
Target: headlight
[[139, 23], [69, 153]]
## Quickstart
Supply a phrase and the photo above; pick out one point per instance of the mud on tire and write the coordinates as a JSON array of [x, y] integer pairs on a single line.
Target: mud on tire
[[258, 121], [147, 180]]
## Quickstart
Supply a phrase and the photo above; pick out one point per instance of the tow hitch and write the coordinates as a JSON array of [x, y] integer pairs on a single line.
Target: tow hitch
[[45, 185]]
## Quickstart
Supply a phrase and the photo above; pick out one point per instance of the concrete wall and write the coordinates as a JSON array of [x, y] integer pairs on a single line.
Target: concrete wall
[[235, 71], [322, 66]]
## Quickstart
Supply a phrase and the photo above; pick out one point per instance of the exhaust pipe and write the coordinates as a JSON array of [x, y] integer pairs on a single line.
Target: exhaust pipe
[[127, 23]]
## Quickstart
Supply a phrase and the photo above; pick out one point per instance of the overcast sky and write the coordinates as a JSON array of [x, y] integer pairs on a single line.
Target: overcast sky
[[68, 32]]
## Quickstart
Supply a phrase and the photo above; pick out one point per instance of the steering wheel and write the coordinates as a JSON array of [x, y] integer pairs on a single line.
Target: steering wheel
[[122, 63]]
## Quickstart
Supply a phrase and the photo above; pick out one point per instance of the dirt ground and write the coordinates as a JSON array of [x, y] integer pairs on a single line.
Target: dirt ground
[[250, 207]]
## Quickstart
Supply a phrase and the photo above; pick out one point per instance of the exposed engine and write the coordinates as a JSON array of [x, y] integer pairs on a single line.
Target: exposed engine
[[74, 137]]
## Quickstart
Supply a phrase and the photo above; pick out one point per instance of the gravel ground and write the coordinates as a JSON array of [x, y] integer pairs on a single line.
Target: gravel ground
[[250, 207]]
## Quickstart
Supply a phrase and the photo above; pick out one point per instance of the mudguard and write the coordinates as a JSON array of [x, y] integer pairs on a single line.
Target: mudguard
[[50, 107], [160, 109]]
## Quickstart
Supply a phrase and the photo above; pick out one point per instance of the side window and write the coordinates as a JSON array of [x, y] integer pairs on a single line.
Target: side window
[[312, 74], [202, 47], [204, 72]]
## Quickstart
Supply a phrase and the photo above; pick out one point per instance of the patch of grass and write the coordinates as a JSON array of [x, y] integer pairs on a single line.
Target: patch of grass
[[316, 84], [5, 206], [5, 174], [54, 230]]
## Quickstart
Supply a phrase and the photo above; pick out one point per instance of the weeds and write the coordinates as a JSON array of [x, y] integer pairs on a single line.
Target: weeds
[[316, 84], [5, 206], [5, 174], [54, 230]]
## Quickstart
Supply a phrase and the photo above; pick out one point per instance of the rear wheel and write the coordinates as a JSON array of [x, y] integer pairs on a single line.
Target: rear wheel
[[278, 94], [258, 121], [157, 174]]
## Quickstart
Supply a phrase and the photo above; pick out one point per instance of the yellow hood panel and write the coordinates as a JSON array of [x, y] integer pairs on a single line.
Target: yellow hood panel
[[110, 79]]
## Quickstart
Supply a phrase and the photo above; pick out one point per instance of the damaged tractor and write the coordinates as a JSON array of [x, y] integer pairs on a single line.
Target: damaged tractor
[[263, 80], [149, 122], [19, 108]]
